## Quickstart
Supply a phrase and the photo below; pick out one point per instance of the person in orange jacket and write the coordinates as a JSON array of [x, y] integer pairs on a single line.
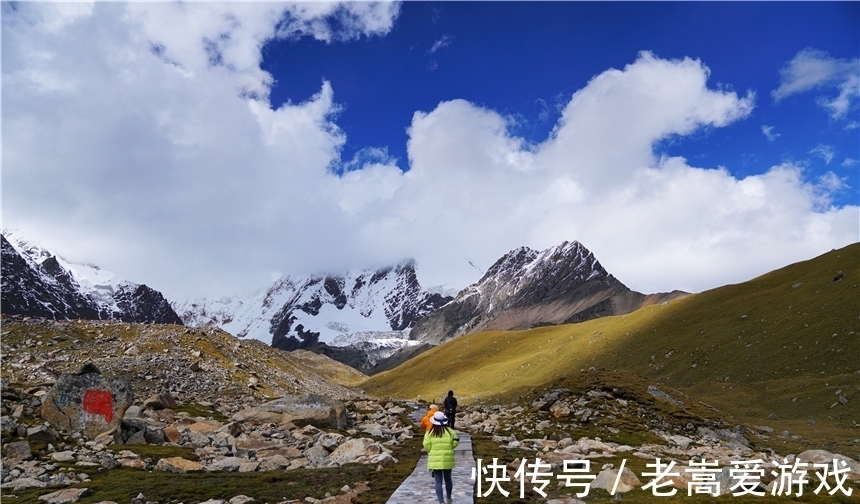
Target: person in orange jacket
[[425, 422]]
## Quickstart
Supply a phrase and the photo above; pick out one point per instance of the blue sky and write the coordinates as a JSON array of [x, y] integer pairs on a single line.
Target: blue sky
[[206, 149], [524, 60]]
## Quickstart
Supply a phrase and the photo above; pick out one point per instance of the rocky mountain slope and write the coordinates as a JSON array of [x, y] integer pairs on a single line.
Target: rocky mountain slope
[[358, 318], [37, 283], [192, 364], [526, 288]]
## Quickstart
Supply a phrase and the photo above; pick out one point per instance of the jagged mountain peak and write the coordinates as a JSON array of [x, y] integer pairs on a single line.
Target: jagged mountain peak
[[388, 299], [527, 265], [525, 287], [528, 276], [37, 282]]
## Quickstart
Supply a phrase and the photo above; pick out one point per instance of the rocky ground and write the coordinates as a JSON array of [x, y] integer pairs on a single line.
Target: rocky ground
[[256, 439], [547, 429], [207, 403], [192, 364]]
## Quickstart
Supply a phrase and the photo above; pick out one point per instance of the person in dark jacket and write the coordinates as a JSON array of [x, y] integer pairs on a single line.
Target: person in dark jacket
[[440, 442], [450, 406]]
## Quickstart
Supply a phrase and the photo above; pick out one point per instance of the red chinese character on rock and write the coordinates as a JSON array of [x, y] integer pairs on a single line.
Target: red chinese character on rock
[[99, 402]]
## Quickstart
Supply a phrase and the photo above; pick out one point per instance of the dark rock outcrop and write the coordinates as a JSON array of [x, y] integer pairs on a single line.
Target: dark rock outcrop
[[144, 305]]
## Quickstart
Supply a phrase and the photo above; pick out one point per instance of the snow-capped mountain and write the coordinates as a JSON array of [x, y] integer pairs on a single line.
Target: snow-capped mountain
[[370, 319], [527, 288], [37, 283], [357, 318]]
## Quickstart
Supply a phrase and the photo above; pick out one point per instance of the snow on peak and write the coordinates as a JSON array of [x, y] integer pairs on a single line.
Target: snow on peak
[[339, 309], [100, 284]]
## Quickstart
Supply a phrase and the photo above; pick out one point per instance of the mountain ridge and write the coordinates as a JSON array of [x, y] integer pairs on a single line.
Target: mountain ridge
[[528, 288], [358, 318], [36, 282]]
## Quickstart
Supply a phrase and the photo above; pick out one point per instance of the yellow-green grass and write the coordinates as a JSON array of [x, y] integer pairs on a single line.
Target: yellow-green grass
[[771, 351], [329, 368]]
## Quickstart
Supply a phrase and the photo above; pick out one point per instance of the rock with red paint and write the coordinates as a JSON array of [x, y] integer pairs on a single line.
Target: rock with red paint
[[87, 402]]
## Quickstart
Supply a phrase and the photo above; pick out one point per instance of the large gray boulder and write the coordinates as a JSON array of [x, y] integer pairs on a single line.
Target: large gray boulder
[[360, 450], [300, 410], [87, 402], [841, 462]]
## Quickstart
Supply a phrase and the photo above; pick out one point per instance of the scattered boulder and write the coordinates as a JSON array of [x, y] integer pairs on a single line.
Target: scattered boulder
[[227, 464], [659, 394], [257, 416], [361, 450], [559, 410], [300, 410], [22, 483], [65, 495], [8, 425], [112, 436], [42, 433], [159, 402], [317, 455], [63, 456], [137, 438], [172, 434], [606, 480], [825, 457], [17, 451], [87, 402], [178, 465]]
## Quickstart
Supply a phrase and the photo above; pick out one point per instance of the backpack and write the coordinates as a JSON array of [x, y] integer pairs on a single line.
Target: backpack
[[450, 404]]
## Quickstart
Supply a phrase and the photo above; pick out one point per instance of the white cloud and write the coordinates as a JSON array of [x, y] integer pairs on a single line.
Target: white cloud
[[825, 152], [828, 183], [166, 164], [442, 43], [353, 19], [813, 69], [768, 132], [849, 162]]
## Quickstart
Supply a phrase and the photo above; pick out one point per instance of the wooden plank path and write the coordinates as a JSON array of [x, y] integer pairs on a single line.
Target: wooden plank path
[[420, 487]]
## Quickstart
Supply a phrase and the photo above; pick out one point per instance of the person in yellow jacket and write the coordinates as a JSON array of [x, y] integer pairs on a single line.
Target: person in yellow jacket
[[425, 422], [440, 442]]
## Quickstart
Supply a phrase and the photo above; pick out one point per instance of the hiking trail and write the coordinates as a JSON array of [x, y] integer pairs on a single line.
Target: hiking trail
[[419, 487]]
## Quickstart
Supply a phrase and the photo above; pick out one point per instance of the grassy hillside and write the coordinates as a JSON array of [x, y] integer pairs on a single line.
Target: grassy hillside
[[778, 350]]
